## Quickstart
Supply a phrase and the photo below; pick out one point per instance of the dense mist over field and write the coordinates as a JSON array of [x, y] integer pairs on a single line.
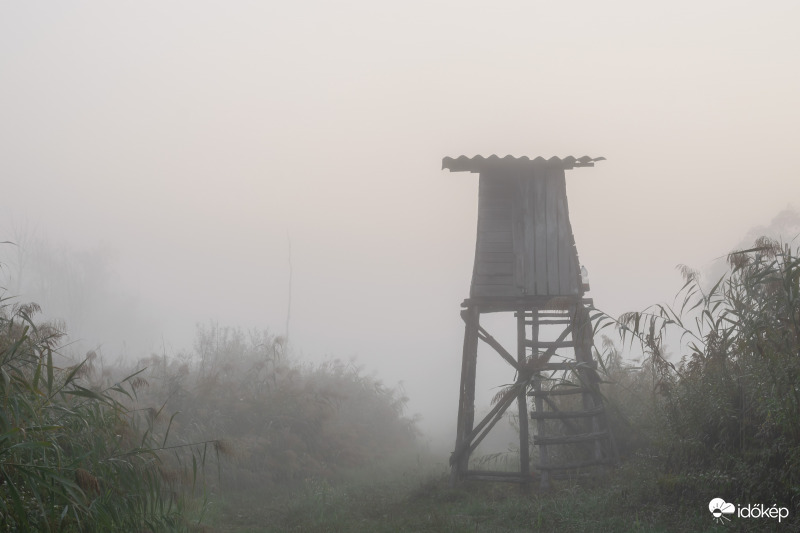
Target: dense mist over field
[[277, 166]]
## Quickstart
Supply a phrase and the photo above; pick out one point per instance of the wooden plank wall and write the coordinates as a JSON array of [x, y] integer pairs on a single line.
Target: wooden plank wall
[[493, 274], [525, 244]]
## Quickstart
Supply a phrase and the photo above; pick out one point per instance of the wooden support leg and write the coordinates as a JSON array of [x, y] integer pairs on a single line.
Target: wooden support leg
[[522, 404], [459, 462]]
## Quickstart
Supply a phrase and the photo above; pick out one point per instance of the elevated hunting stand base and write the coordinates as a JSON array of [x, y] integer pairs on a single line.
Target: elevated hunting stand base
[[567, 442]]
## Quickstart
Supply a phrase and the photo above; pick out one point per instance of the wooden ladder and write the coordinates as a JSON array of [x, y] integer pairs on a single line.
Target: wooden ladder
[[575, 439]]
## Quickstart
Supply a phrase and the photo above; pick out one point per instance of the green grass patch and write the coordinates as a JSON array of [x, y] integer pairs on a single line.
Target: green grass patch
[[632, 498]]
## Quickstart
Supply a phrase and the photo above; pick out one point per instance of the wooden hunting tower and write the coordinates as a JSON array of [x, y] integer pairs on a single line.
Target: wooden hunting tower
[[526, 263]]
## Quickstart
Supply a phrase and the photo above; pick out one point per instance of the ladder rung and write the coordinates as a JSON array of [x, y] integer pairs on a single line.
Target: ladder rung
[[570, 439], [548, 322], [566, 366], [548, 344], [492, 473], [573, 466], [544, 314], [508, 479], [554, 415]]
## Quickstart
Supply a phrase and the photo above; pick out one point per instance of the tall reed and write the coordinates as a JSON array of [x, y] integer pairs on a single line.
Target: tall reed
[[73, 456], [728, 409]]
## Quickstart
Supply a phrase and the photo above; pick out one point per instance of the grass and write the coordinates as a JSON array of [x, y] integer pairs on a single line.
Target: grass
[[628, 499]]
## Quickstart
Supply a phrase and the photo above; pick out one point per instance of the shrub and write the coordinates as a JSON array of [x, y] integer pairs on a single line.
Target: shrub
[[281, 422], [73, 457], [729, 410]]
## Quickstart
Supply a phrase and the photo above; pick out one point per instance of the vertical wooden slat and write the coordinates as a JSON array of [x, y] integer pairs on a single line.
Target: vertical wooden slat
[[473, 289], [566, 251], [519, 214], [574, 266], [539, 232], [528, 199], [553, 271]]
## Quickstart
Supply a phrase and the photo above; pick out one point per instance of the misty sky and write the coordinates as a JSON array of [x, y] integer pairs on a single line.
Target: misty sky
[[188, 143]]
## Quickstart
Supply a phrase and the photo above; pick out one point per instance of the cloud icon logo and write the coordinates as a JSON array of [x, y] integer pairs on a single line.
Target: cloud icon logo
[[719, 508]]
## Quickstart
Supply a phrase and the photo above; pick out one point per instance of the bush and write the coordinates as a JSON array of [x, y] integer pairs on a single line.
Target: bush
[[73, 457], [729, 410], [282, 422]]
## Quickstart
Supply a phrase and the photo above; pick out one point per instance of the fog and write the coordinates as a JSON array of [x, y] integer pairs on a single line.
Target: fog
[[277, 165]]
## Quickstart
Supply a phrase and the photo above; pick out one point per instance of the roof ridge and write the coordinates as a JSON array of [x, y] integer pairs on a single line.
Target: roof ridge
[[478, 162]]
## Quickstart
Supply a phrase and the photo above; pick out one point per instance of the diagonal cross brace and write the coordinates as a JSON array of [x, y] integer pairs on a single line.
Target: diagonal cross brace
[[525, 378], [491, 341]]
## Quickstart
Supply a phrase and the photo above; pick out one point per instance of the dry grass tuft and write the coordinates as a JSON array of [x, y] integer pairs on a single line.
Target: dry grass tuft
[[138, 383], [689, 274], [87, 482], [225, 448]]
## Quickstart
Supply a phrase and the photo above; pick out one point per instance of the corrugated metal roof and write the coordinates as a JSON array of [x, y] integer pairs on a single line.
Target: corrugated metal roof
[[480, 163]]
